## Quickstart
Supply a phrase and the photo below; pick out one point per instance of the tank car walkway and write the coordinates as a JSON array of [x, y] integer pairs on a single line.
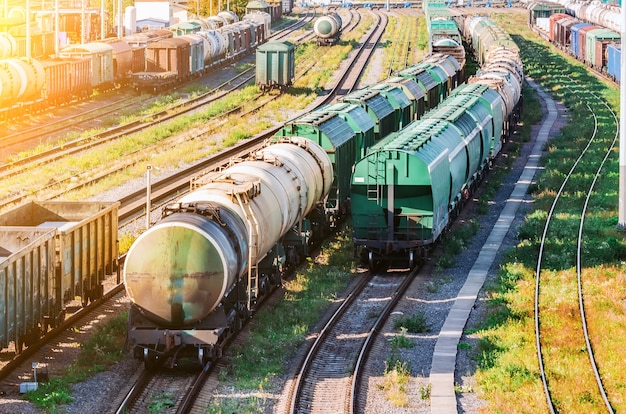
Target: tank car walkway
[[442, 396]]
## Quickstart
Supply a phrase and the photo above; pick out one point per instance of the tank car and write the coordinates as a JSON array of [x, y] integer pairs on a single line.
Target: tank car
[[196, 274], [327, 29]]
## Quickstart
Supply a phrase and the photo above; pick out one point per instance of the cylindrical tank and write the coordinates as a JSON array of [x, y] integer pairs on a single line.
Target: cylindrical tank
[[217, 43], [327, 26], [229, 16], [21, 79], [8, 45], [178, 271]]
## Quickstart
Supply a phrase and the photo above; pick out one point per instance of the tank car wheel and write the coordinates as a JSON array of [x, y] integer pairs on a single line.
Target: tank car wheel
[[411, 259], [150, 359], [203, 359]]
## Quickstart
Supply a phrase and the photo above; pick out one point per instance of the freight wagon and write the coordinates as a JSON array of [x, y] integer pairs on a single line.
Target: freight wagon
[[137, 60], [275, 65], [587, 31], [52, 254], [411, 184], [328, 29]]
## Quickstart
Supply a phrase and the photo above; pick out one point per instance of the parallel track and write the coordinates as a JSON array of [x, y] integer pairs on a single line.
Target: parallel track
[[546, 338], [187, 403]]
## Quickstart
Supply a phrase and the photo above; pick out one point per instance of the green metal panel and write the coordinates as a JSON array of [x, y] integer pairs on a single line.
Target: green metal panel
[[378, 107], [399, 101], [495, 105], [426, 81], [335, 135], [470, 118], [417, 166], [360, 122], [413, 92]]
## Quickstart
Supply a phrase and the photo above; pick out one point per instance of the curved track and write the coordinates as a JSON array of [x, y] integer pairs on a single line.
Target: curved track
[[547, 340]]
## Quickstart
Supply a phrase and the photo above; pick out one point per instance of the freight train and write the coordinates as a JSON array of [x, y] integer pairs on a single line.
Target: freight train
[[198, 272], [588, 31], [409, 186], [154, 60]]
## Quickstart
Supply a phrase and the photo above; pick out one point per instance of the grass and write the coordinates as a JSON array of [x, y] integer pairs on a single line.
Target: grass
[[508, 377], [100, 351], [281, 329]]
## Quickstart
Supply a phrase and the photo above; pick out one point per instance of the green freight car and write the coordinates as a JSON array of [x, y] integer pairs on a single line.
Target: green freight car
[[344, 133], [275, 65]]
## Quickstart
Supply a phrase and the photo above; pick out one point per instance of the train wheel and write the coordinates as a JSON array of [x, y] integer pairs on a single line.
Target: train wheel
[[411, 259], [203, 359], [150, 359]]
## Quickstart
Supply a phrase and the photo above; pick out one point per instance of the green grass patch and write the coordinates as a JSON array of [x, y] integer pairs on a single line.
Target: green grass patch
[[100, 351], [506, 355], [282, 328]]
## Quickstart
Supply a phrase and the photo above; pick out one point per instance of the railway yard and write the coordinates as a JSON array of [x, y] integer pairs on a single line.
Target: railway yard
[[301, 352]]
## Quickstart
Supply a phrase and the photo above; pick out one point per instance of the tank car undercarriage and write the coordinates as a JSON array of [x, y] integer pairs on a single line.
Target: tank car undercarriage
[[155, 344]]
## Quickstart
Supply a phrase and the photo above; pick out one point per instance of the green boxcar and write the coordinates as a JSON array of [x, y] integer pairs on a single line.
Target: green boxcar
[[335, 135], [597, 42], [416, 95], [377, 107], [360, 122], [275, 65], [399, 101]]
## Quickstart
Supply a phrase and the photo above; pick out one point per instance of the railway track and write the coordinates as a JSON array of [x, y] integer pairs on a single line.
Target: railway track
[[94, 110], [188, 402], [71, 181], [329, 377], [133, 205], [556, 348]]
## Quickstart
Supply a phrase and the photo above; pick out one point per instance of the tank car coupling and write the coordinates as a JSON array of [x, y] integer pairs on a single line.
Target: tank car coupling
[[172, 339]]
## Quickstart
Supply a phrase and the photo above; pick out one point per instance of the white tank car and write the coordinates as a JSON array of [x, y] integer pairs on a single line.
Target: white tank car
[[327, 29], [178, 271]]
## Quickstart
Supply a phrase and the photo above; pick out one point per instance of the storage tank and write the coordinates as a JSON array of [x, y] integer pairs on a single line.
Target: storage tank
[[178, 271]]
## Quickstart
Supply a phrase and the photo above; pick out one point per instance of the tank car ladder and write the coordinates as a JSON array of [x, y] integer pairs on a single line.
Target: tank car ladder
[[243, 197]]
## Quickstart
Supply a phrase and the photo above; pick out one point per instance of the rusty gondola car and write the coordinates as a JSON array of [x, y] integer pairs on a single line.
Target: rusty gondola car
[[52, 254]]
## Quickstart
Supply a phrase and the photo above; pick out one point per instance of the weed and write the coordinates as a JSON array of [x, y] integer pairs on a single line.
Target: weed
[[161, 402], [414, 324]]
